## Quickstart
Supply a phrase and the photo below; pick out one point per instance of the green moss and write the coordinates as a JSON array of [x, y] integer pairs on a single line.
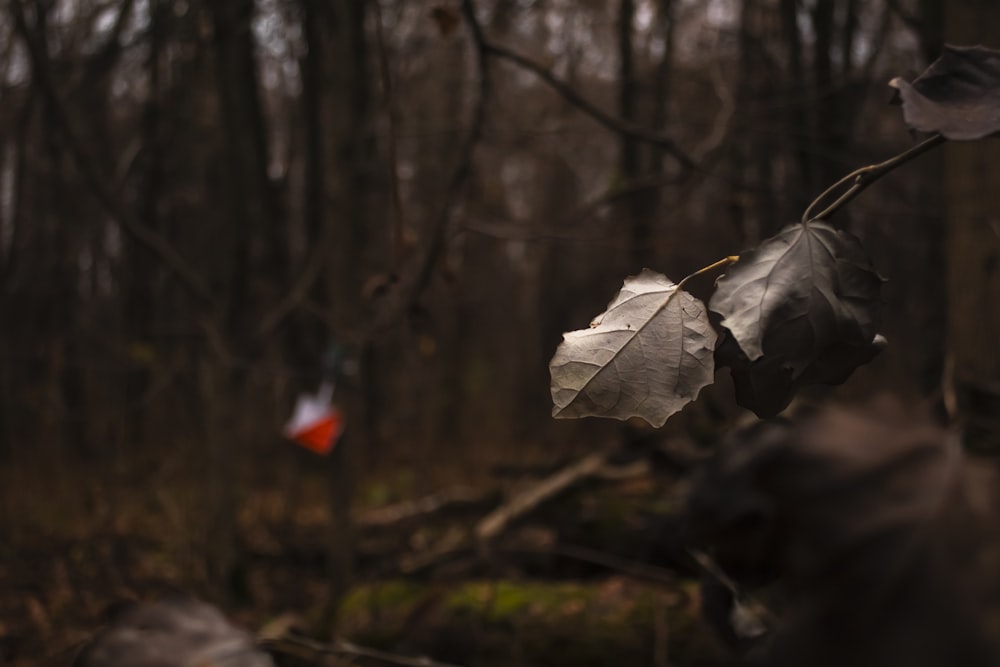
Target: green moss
[[387, 595], [532, 622], [509, 601], [376, 495]]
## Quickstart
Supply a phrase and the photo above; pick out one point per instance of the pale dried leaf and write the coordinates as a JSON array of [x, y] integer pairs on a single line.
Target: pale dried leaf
[[647, 355]]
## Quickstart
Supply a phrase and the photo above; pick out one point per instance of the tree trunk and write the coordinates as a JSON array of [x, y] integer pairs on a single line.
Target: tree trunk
[[141, 267], [337, 100], [248, 226], [752, 157], [972, 188], [798, 118], [636, 213]]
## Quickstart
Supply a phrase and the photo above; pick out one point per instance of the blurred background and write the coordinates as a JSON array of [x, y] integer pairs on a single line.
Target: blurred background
[[199, 201]]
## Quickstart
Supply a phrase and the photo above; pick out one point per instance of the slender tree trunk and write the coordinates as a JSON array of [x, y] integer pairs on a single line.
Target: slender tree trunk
[[751, 161], [141, 270], [315, 25], [824, 29], [245, 141], [931, 32], [247, 231], [807, 178], [337, 96], [972, 188], [345, 277], [637, 210], [11, 370], [664, 28]]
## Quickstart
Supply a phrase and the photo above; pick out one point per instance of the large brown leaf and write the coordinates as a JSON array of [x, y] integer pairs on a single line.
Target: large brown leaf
[[801, 308], [865, 526]]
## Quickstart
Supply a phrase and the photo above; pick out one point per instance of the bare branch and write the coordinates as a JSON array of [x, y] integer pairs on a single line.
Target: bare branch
[[861, 178], [415, 281], [520, 232], [417, 275], [570, 94], [300, 289]]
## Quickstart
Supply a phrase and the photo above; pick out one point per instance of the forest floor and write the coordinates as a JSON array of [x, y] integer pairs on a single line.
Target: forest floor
[[577, 562]]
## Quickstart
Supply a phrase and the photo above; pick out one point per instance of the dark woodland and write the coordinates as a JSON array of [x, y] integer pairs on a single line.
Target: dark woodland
[[209, 209]]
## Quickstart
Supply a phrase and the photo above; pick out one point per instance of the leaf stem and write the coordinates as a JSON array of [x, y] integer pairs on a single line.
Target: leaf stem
[[864, 177], [722, 263]]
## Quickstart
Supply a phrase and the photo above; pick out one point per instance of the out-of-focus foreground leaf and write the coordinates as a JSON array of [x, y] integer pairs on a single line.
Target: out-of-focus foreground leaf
[[647, 355], [958, 96], [173, 632], [869, 529], [801, 309]]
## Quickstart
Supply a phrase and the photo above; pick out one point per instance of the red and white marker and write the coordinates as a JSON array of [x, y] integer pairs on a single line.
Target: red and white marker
[[316, 423]]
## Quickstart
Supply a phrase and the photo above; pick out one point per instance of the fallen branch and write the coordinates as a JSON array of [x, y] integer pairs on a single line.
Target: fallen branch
[[497, 521], [422, 508], [459, 542], [615, 473]]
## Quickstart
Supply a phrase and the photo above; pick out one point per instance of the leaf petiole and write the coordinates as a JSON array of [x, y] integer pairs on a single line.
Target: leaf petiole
[[722, 263], [864, 177]]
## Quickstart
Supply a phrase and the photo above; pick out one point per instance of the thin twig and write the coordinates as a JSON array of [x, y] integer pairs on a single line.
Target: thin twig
[[300, 289], [410, 289], [864, 177], [722, 263], [520, 231]]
